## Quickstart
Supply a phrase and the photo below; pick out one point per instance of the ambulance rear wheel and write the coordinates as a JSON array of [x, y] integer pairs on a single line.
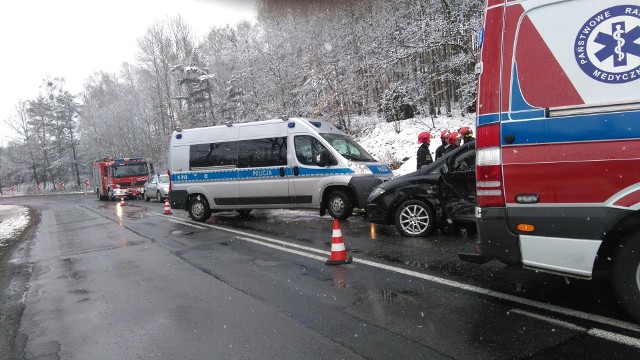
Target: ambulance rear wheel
[[625, 275], [339, 205], [199, 209]]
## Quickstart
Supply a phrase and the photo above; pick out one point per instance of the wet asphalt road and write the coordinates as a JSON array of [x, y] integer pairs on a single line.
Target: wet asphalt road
[[129, 283]]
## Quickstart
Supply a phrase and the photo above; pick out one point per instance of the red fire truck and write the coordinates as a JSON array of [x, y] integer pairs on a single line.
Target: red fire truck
[[119, 177], [558, 140]]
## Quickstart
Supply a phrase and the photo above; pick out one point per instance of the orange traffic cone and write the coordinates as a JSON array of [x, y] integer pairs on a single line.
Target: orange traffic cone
[[338, 251], [122, 201], [167, 208]]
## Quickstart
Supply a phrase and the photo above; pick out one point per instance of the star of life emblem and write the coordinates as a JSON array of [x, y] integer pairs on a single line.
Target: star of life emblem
[[607, 47]]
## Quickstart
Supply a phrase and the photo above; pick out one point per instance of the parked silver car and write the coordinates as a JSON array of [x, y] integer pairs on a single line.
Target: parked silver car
[[157, 187]]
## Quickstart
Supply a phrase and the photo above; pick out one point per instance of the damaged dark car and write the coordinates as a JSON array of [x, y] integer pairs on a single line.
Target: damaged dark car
[[439, 195]]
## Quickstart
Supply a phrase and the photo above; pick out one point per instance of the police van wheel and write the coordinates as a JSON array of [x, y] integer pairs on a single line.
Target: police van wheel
[[199, 209], [625, 275], [339, 205], [414, 218]]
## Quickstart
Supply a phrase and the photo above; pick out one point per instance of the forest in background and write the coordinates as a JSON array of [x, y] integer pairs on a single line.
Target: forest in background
[[330, 59]]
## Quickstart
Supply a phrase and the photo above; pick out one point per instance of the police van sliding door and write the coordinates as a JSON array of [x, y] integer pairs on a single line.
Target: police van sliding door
[[571, 122], [263, 175]]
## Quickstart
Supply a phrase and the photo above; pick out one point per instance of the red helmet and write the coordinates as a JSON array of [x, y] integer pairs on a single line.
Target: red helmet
[[451, 140], [464, 131], [444, 134], [424, 137]]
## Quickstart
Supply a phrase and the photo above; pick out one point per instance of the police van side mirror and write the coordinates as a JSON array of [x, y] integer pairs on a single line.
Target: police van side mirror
[[322, 159]]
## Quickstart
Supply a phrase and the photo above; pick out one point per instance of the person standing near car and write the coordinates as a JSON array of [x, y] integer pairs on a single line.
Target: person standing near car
[[424, 155], [443, 137], [467, 134], [454, 141]]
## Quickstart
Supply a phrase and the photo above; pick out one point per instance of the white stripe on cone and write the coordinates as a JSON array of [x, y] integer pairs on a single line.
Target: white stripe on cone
[[337, 233], [338, 247]]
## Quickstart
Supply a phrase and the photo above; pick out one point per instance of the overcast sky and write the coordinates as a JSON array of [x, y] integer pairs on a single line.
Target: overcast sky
[[74, 38]]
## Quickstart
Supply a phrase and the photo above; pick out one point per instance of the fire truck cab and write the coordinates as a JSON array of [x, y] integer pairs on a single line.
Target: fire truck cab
[[119, 177]]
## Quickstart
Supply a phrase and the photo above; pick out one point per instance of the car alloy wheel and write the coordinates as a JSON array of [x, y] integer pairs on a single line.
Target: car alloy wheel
[[414, 218]]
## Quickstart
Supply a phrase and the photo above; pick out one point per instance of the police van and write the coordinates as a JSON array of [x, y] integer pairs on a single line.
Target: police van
[[281, 163]]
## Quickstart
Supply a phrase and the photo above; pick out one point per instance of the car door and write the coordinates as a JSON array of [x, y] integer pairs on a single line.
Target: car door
[[458, 185], [152, 186], [307, 174]]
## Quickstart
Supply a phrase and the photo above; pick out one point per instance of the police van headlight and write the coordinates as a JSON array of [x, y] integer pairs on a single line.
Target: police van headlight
[[360, 169]]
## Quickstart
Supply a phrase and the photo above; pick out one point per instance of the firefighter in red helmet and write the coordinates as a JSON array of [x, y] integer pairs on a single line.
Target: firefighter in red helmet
[[424, 155], [466, 133], [454, 141], [443, 137]]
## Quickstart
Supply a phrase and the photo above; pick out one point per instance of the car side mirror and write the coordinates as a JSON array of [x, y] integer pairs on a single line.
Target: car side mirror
[[322, 159], [444, 169]]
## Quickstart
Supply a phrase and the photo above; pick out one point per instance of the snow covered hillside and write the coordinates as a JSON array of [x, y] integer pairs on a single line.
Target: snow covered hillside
[[382, 141]]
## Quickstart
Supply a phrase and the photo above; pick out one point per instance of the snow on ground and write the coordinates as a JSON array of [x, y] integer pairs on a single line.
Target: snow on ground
[[13, 219], [390, 143]]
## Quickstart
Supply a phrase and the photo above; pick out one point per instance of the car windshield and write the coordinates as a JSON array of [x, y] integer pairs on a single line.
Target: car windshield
[[163, 179], [130, 170], [348, 148]]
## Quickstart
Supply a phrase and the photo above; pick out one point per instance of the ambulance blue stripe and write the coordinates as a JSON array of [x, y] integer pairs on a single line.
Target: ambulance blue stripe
[[595, 127], [488, 119]]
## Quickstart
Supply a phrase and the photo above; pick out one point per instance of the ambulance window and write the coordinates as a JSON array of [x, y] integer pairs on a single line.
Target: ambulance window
[[262, 152], [210, 155], [543, 81]]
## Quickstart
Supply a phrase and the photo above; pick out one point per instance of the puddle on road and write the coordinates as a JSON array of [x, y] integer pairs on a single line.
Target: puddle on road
[[340, 277], [389, 297], [265, 262]]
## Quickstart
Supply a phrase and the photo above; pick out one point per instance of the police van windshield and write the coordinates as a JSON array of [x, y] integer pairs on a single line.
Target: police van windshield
[[130, 170], [347, 147]]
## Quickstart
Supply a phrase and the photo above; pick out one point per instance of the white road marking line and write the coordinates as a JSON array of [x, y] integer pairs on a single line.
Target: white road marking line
[[550, 320], [188, 224], [611, 336], [603, 334], [278, 247], [458, 285]]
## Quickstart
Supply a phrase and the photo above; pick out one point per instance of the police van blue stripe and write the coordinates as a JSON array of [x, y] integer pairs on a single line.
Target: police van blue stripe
[[251, 174], [380, 169]]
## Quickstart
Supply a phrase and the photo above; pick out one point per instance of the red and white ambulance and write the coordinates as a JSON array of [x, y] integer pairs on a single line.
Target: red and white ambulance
[[558, 139]]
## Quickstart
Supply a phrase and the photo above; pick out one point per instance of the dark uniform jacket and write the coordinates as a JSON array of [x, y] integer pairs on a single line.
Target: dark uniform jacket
[[424, 156], [440, 150]]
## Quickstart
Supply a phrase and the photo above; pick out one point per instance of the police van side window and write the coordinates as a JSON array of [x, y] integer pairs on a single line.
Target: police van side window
[[222, 154], [262, 152], [307, 149]]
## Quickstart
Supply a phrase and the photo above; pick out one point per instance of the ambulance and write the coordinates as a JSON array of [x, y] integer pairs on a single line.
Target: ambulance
[[558, 140], [275, 164]]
